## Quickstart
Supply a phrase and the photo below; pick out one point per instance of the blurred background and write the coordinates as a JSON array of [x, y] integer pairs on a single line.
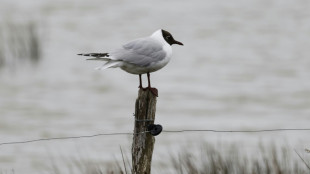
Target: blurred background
[[244, 66]]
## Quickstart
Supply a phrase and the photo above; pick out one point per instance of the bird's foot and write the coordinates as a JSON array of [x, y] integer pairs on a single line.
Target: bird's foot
[[154, 91]]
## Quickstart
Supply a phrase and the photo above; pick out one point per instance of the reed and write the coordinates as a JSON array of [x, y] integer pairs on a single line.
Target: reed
[[212, 159], [20, 43]]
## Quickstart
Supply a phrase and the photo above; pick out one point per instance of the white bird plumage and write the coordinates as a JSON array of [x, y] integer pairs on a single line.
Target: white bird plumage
[[140, 56]]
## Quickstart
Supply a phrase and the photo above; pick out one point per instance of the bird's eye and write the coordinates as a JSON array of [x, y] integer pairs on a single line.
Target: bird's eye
[[167, 37]]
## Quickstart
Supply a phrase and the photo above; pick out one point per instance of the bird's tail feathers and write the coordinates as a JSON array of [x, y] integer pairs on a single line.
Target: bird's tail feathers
[[103, 57], [100, 58], [109, 64]]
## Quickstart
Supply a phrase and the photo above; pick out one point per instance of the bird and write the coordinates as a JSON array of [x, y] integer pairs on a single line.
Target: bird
[[140, 56]]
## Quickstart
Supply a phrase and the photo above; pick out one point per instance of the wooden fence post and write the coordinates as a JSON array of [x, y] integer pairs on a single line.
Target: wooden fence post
[[143, 143]]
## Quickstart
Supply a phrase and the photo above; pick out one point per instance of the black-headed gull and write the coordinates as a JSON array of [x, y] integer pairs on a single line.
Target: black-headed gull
[[140, 56]]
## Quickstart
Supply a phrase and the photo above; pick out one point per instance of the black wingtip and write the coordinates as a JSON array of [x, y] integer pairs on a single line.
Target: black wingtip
[[95, 54]]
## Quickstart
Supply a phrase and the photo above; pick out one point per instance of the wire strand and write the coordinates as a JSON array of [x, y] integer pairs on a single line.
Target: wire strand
[[165, 131], [232, 131], [71, 137]]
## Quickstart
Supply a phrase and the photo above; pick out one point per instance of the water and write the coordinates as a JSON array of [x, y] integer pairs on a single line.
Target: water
[[244, 65]]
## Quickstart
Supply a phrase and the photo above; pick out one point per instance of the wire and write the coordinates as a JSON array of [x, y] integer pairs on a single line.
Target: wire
[[302, 159], [233, 131], [165, 131], [71, 137]]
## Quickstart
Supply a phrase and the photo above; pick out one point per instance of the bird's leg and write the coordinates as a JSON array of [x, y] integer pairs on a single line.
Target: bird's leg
[[149, 80], [153, 90], [140, 80]]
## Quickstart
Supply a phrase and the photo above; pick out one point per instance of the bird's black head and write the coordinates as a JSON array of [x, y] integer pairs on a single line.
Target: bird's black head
[[169, 39]]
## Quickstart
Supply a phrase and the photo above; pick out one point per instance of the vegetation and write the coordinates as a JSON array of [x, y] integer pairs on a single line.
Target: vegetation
[[19, 43], [233, 161], [212, 160]]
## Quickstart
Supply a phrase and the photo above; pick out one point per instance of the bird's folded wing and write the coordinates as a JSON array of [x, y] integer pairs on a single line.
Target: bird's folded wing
[[141, 52]]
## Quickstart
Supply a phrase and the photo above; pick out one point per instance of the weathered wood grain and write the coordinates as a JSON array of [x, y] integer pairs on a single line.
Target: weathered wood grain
[[143, 143]]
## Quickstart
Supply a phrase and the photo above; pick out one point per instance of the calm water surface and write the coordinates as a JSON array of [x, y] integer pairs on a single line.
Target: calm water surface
[[244, 65]]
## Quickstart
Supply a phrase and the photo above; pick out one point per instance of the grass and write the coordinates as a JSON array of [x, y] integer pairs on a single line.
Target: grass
[[211, 160], [19, 43], [232, 161]]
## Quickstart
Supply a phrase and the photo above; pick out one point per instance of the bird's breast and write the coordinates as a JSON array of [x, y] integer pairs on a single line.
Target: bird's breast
[[168, 50]]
